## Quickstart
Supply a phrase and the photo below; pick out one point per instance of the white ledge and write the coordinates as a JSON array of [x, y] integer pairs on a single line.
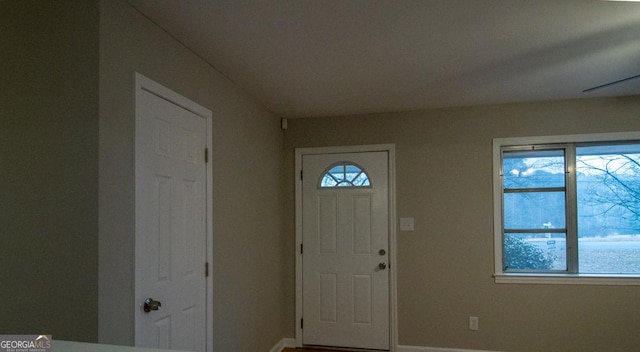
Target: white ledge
[[72, 346], [567, 279]]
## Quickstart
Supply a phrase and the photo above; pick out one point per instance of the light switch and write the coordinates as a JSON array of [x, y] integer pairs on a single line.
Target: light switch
[[406, 224]]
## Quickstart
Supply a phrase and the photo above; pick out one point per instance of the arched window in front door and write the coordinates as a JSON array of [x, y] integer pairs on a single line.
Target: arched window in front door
[[344, 174]]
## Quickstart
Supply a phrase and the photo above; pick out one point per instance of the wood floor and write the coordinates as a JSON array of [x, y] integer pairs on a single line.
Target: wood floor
[[305, 350], [318, 350]]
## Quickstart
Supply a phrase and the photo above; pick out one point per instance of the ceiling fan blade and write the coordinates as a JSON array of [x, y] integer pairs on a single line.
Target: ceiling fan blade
[[610, 83]]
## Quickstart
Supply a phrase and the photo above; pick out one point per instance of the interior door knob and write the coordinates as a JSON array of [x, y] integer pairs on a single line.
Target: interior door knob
[[151, 304], [382, 266]]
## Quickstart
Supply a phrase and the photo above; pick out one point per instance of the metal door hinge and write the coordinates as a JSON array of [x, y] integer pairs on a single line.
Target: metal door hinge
[[301, 249], [300, 174], [301, 323], [206, 269], [206, 155]]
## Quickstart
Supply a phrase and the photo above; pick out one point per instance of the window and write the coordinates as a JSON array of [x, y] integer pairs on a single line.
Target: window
[[344, 174], [567, 209]]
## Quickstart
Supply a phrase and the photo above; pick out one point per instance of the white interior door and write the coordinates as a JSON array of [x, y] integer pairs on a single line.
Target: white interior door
[[345, 238], [171, 224]]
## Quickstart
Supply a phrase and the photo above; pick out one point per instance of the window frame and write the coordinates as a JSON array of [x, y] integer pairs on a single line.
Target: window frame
[[571, 276], [568, 191]]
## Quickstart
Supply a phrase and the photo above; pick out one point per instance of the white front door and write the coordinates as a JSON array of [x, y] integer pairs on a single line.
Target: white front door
[[171, 223], [345, 250]]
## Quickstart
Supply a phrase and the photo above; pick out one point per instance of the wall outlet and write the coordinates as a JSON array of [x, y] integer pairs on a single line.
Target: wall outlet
[[473, 323]]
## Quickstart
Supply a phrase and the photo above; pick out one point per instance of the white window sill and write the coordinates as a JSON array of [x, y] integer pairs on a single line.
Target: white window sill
[[567, 279]]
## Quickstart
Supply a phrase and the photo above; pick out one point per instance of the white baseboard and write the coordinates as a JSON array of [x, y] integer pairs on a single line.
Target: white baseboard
[[291, 343], [434, 349], [284, 343]]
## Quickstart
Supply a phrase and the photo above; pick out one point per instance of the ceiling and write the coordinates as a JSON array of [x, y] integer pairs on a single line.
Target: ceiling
[[304, 58]]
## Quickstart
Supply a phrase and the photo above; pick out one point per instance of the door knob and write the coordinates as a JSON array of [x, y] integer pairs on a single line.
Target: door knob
[[151, 304], [382, 266]]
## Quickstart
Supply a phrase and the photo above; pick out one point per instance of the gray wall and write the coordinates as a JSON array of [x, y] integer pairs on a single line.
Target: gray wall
[[49, 168], [444, 181], [250, 298]]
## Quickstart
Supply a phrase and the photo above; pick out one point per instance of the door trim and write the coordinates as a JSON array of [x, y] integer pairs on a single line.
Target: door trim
[[390, 149], [143, 83]]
